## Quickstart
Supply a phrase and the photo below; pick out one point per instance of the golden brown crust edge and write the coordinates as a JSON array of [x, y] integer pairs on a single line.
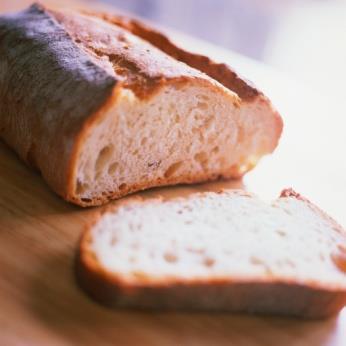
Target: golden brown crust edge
[[221, 72], [271, 297]]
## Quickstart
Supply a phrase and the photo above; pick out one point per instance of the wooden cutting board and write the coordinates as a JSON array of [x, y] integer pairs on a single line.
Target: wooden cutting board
[[40, 303]]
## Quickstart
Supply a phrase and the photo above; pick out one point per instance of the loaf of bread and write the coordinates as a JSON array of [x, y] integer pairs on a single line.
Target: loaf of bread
[[103, 110], [226, 251]]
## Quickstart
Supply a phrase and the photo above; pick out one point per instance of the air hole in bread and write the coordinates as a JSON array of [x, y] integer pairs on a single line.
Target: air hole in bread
[[81, 187], [187, 208], [172, 169], [207, 123], [86, 200], [202, 158], [256, 260], [196, 250], [208, 261], [215, 150], [104, 157], [202, 105], [203, 97], [170, 257], [113, 167], [281, 233], [122, 186], [197, 116]]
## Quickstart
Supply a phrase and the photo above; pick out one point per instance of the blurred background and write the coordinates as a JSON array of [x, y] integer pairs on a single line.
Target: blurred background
[[303, 38]]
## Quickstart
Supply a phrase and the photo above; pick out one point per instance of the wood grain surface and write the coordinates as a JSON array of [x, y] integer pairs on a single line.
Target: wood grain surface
[[40, 303]]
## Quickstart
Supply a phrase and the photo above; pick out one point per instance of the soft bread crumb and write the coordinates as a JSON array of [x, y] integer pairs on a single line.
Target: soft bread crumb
[[226, 235], [169, 139]]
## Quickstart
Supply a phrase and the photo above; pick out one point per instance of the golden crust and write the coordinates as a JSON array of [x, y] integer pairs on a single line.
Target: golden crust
[[269, 296], [67, 57], [137, 64], [63, 58], [221, 72]]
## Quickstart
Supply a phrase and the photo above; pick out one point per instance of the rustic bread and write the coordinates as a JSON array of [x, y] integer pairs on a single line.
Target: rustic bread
[[101, 112], [226, 251]]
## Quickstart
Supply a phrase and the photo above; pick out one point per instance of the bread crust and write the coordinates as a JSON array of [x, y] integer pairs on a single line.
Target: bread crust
[[221, 72], [267, 296], [52, 72], [62, 60]]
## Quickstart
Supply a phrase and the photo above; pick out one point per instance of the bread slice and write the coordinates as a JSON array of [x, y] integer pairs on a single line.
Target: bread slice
[[226, 251], [101, 112]]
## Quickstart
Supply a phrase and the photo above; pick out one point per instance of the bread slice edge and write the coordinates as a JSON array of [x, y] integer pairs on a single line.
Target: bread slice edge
[[249, 295]]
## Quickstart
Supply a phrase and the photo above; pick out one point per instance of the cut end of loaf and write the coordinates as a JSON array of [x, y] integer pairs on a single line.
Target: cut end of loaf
[[170, 123], [187, 133]]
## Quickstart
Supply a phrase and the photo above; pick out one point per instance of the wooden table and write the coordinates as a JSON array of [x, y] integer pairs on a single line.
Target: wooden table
[[40, 303]]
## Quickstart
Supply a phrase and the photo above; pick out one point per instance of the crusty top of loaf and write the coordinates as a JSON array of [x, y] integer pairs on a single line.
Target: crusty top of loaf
[[221, 72], [136, 63]]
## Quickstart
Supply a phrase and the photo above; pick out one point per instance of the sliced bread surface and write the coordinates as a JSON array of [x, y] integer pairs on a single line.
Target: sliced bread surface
[[101, 112], [226, 251]]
